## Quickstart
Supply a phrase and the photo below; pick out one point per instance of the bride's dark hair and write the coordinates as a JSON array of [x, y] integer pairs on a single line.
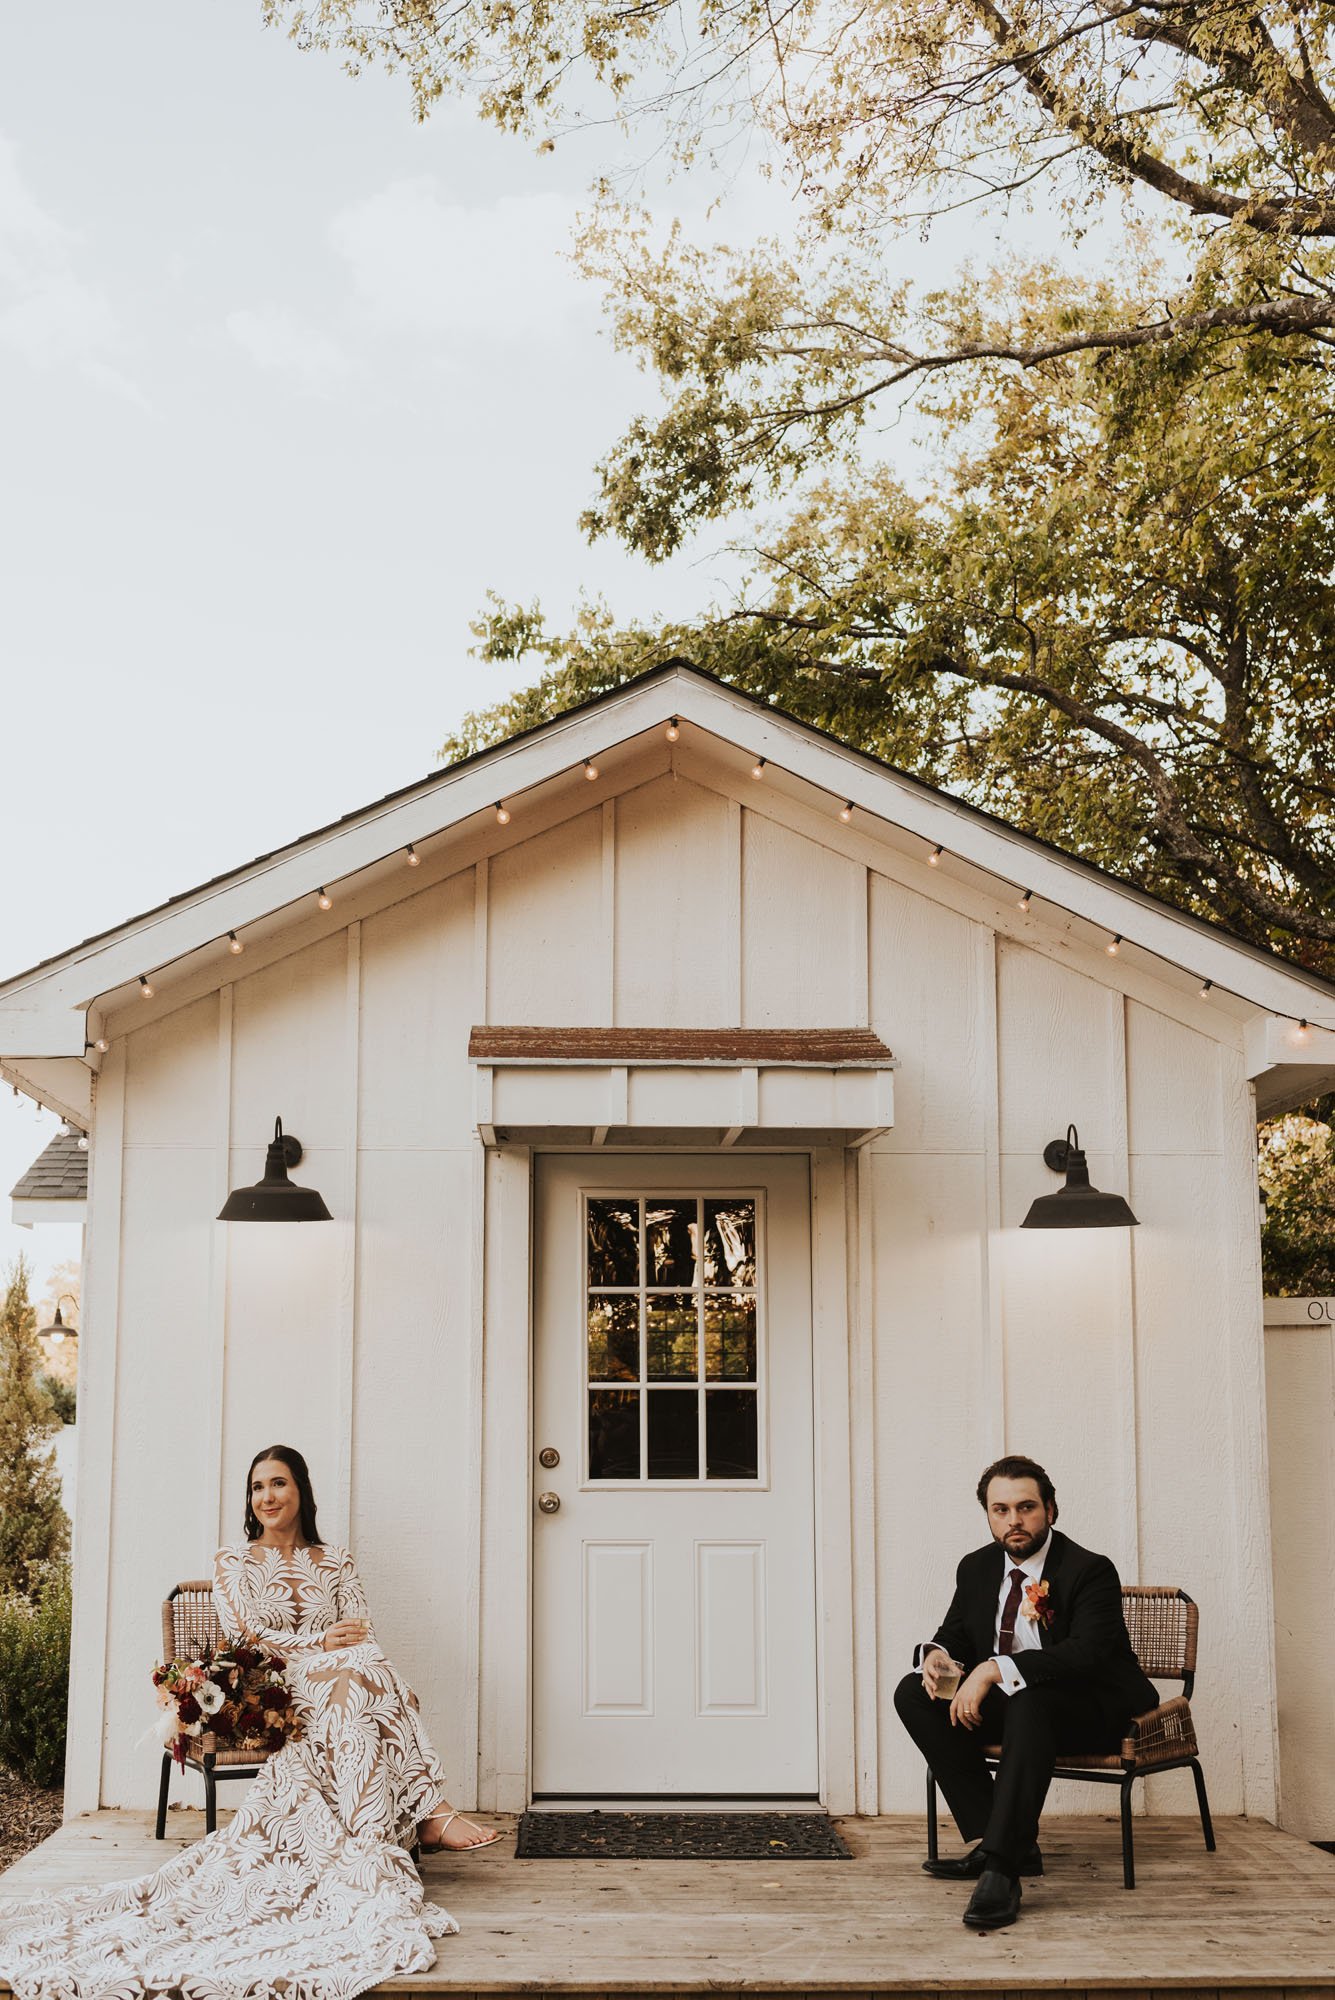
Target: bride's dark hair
[[296, 1465]]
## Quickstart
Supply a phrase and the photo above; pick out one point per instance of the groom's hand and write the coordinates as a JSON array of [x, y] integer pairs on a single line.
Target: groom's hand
[[967, 1705]]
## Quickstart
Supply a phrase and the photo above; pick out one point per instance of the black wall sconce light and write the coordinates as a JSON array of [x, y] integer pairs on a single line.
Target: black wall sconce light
[[1077, 1205], [276, 1198], [58, 1330]]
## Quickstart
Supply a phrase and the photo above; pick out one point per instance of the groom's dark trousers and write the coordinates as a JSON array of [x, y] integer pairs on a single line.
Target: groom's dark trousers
[[1082, 1684]]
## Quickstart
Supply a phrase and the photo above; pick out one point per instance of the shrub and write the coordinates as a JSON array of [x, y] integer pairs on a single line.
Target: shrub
[[34, 1677], [62, 1397], [34, 1529]]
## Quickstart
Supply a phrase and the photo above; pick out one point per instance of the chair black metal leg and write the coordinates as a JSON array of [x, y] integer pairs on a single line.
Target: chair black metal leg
[[210, 1799], [163, 1786], [1128, 1848], [1207, 1824], [932, 1851]]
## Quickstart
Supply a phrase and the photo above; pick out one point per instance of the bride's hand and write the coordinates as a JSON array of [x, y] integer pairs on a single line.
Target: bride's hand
[[348, 1632]]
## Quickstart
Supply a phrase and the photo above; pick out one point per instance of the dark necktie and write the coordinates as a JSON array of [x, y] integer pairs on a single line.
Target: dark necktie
[[1009, 1612]]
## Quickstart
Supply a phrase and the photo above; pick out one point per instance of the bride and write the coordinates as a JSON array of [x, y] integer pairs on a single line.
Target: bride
[[308, 1893]]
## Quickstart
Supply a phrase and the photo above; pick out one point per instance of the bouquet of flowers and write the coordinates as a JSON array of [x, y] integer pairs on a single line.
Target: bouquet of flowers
[[237, 1694]]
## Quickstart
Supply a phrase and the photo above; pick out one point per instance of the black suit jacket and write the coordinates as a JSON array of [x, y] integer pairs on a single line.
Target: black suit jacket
[[1083, 1646]]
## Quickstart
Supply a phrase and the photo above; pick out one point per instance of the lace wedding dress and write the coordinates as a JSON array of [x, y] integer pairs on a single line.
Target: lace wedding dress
[[308, 1893]]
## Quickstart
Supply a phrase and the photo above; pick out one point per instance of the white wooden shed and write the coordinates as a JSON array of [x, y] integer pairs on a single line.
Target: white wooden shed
[[677, 1080]]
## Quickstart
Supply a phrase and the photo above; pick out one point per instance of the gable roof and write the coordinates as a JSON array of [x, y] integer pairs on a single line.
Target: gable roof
[[47, 1011], [59, 1173]]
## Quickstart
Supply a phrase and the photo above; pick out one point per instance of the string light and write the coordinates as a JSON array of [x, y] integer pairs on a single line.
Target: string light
[[502, 816], [1301, 1032], [934, 858], [413, 857], [1026, 899], [145, 990], [82, 1142], [846, 811], [324, 899], [234, 944], [101, 1045], [673, 730], [1114, 945], [590, 769], [1206, 989], [758, 768]]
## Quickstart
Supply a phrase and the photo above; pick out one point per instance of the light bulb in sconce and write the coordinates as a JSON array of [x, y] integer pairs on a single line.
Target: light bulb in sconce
[[846, 811], [1114, 945], [758, 768], [413, 858], [145, 989], [502, 816], [234, 944], [324, 899], [673, 730], [590, 769]]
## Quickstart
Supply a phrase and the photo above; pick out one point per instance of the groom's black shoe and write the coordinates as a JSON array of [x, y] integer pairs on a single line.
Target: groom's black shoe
[[968, 1867], [994, 1903]]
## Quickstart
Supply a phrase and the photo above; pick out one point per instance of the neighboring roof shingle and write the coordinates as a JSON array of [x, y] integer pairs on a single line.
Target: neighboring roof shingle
[[815, 1048], [58, 1174]]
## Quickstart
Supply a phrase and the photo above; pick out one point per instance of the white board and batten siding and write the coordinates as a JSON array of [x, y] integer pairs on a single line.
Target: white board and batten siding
[[392, 1345]]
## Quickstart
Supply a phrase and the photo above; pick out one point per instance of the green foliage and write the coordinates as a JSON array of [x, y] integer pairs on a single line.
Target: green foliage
[[1110, 624], [1297, 1169], [34, 1677], [62, 1397], [34, 1529]]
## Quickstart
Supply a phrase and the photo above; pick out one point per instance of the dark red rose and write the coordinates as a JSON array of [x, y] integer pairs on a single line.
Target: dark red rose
[[274, 1739], [188, 1708]]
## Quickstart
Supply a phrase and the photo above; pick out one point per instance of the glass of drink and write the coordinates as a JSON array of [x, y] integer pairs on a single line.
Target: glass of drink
[[948, 1677]]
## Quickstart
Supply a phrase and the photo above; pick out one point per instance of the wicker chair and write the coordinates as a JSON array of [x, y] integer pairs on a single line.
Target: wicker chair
[[189, 1622], [1162, 1623]]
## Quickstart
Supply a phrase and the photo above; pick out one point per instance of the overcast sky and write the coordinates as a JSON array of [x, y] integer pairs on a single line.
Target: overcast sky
[[287, 383]]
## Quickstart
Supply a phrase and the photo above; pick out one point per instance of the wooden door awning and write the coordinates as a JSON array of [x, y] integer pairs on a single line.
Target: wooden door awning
[[698, 1087]]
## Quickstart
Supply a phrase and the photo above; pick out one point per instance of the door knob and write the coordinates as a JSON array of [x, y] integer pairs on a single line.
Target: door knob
[[549, 1456], [548, 1503]]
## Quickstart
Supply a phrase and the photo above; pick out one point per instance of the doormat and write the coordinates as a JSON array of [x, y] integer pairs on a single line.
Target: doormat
[[679, 1836]]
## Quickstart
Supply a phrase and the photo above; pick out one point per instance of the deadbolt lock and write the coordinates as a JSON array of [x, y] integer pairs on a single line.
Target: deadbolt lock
[[549, 1456], [548, 1503]]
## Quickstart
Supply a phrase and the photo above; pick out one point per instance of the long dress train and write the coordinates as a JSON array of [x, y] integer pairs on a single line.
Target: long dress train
[[308, 1893]]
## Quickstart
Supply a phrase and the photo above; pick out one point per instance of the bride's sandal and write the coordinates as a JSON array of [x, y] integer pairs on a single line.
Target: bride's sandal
[[444, 1847]]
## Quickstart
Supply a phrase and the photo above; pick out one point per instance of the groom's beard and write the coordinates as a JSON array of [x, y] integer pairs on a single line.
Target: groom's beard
[[1020, 1546]]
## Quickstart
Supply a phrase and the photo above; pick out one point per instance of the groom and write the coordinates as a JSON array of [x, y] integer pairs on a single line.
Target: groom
[[1036, 1630]]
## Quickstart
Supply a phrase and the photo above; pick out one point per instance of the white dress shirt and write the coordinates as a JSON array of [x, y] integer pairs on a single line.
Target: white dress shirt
[[1027, 1630]]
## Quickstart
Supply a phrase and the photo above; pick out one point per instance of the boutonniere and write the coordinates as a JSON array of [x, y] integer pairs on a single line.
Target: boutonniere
[[1037, 1604]]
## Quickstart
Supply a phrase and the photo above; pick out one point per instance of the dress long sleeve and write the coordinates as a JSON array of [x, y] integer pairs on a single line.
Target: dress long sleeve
[[350, 1594]]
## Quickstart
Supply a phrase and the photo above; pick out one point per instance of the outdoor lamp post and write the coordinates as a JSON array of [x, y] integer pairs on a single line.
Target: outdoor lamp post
[[57, 1330], [275, 1198], [1077, 1205]]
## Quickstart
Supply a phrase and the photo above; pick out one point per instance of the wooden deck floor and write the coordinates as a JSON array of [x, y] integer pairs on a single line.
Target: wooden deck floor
[[1257, 1917]]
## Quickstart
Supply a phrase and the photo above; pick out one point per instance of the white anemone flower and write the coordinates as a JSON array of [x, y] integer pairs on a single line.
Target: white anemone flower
[[210, 1697]]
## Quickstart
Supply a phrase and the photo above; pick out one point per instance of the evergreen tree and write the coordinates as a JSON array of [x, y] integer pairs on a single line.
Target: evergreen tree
[[34, 1528]]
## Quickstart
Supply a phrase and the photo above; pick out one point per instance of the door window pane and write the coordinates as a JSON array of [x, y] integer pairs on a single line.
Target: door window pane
[[614, 1242], [614, 1434], [730, 1242], [674, 1434], [614, 1337], [730, 1336], [731, 1433], [670, 1332], [670, 1233]]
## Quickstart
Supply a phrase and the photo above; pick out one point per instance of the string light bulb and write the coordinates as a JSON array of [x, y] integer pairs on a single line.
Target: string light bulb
[[758, 768], [234, 944], [846, 811], [324, 899], [1206, 989], [1114, 945], [82, 1142], [102, 1045], [934, 858], [1026, 899], [413, 858], [1301, 1032], [145, 990], [673, 730], [590, 769], [502, 816]]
